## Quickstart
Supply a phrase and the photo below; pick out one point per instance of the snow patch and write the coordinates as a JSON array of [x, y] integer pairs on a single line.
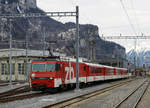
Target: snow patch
[[49, 99], [18, 8]]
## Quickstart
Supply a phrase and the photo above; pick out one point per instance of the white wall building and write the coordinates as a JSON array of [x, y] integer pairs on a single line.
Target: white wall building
[[19, 63]]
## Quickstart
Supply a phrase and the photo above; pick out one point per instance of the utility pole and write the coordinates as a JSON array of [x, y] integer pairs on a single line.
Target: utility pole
[[10, 55], [77, 48], [91, 45], [43, 41], [135, 57], [26, 69]]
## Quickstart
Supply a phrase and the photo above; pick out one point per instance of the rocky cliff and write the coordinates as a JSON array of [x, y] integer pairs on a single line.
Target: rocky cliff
[[60, 37]]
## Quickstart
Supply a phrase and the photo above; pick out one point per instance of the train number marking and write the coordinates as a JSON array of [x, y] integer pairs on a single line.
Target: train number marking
[[70, 73]]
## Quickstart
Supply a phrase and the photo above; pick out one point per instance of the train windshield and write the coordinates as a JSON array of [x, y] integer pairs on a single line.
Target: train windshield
[[45, 67], [51, 67], [38, 67]]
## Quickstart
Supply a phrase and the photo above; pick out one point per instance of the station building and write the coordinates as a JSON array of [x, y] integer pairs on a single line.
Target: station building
[[19, 72]]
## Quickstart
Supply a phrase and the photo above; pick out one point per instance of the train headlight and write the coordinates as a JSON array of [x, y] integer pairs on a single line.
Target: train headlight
[[50, 78], [33, 75]]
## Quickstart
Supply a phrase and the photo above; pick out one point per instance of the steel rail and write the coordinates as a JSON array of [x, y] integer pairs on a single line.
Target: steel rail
[[6, 84], [130, 94], [140, 97], [68, 102], [22, 97], [15, 91]]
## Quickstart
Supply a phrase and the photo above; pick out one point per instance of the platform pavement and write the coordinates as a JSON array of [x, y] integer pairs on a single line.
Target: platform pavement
[[47, 100]]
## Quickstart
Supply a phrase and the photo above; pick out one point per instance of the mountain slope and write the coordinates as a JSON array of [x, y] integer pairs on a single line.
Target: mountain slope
[[142, 55], [63, 34]]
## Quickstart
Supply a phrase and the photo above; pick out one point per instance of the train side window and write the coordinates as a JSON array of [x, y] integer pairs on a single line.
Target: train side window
[[99, 71], [57, 67], [107, 71], [84, 68], [92, 70]]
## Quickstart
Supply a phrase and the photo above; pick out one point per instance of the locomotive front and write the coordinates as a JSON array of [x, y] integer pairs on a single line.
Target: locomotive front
[[43, 74]]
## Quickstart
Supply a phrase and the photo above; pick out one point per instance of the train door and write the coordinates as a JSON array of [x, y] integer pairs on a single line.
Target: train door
[[115, 74], [63, 74], [104, 73], [85, 71]]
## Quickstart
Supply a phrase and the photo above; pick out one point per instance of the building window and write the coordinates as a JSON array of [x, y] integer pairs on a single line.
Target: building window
[[4, 69], [21, 68], [13, 68]]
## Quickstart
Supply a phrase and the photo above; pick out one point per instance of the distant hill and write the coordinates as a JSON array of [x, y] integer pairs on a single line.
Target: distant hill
[[64, 34]]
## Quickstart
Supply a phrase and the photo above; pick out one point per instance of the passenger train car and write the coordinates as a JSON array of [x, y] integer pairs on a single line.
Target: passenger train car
[[61, 73]]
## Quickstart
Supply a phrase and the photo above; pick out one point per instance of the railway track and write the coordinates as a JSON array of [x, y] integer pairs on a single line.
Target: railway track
[[81, 98], [15, 91], [21, 97], [6, 84], [19, 93], [16, 94], [13, 83], [133, 98]]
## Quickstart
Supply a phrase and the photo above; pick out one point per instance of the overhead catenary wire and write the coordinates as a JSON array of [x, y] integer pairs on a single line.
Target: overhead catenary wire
[[136, 18], [137, 23], [138, 27], [133, 28], [129, 20]]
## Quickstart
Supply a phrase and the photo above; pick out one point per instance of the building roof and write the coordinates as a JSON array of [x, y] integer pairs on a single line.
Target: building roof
[[22, 52]]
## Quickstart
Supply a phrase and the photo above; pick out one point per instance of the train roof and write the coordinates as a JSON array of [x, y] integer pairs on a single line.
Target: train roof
[[58, 58], [70, 59], [92, 64]]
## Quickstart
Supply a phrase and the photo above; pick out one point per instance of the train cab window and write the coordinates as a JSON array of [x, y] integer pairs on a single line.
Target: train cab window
[[38, 67], [53, 67], [50, 67]]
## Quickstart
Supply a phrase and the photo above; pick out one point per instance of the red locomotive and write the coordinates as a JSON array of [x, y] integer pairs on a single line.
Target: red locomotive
[[61, 73]]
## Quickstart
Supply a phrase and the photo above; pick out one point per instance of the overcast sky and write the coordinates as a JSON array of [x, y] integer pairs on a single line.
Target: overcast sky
[[108, 15]]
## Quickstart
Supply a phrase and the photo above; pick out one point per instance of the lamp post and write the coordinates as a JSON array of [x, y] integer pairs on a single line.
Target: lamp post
[[10, 55], [77, 48], [43, 31], [26, 69]]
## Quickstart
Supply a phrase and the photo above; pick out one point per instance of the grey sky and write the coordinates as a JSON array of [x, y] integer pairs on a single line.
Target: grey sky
[[108, 15]]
